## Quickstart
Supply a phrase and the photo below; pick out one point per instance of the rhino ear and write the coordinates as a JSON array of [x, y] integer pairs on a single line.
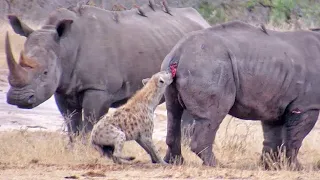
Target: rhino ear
[[63, 26], [18, 26], [144, 81]]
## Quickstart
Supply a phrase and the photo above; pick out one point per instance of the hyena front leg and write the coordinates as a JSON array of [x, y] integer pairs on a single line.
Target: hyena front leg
[[146, 143]]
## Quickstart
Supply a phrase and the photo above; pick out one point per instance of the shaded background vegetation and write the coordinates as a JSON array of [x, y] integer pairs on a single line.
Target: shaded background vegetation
[[292, 13]]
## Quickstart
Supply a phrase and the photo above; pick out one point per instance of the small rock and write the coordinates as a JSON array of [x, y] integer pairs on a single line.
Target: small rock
[[72, 177], [94, 174], [34, 161]]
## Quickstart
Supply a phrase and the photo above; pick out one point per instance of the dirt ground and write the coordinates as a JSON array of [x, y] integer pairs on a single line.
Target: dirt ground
[[33, 145], [143, 171]]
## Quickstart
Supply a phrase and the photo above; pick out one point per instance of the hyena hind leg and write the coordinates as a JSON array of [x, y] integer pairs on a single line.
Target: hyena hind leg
[[109, 142], [118, 146]]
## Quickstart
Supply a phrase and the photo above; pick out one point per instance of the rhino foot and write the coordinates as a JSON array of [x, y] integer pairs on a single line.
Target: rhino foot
[[280, 164], [210, 160], [173, 159], [297, 166], [210, 163]]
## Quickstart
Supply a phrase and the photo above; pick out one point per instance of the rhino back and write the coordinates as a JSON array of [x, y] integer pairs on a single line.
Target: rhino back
[[117, 55], [274, 69], [277, 71]]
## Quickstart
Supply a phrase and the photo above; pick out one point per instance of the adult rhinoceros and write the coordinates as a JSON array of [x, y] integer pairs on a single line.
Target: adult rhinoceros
[[247, 72], [93, 59]]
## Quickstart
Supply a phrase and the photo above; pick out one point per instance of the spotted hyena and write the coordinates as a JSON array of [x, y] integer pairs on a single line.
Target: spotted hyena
[[132, 121]]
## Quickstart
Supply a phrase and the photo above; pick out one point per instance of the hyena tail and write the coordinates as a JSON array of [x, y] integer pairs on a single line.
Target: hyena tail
[[107, 150], [103, 150]]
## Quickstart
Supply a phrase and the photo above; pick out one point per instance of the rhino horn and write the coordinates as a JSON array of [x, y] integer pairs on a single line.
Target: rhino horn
[[17, 74], [27, 62]]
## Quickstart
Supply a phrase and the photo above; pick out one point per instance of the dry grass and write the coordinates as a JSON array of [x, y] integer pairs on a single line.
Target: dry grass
[[237, 146]]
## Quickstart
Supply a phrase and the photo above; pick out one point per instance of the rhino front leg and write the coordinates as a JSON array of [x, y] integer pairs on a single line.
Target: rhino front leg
[[173, 139], [273, 138], [95, 104], [297, 127], [71, 112]]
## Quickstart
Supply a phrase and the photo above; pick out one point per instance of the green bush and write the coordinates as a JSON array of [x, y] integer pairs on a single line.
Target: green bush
[[211, 13], [281, 11], [311, 13], [251, 4]]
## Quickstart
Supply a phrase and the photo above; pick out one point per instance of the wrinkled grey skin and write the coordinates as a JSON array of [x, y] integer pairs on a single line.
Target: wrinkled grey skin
[[238, 69], [91, 59]]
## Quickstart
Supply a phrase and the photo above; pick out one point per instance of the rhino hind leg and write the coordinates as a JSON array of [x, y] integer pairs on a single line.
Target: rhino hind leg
[[208, 108], [187, 121], [273, 132], [297, 127], [202, 141], [174, 114], [204, 134]]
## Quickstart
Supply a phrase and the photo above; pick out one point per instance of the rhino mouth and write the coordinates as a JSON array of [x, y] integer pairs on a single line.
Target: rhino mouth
[[23, 100], [25, 106]]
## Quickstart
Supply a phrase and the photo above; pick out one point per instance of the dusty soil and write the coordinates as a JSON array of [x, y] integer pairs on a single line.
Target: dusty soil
[[145, 172]]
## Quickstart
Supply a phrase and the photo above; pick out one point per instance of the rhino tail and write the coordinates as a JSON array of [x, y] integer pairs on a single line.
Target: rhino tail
[[173, 65]]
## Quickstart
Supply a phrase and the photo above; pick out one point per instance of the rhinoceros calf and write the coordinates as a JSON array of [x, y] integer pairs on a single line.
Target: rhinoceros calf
[[247, 72], [93, 59]]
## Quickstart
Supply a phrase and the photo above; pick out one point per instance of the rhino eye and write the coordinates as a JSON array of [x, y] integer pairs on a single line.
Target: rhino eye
[[45, 72]]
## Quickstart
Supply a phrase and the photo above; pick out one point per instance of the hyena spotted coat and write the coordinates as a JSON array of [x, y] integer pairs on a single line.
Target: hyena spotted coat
[[132, 121]]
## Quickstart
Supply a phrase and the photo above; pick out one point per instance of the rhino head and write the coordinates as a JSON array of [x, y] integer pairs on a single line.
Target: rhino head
[[36, 76]]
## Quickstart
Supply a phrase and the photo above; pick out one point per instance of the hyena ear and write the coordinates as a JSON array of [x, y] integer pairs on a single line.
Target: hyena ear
[[144, 81]]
